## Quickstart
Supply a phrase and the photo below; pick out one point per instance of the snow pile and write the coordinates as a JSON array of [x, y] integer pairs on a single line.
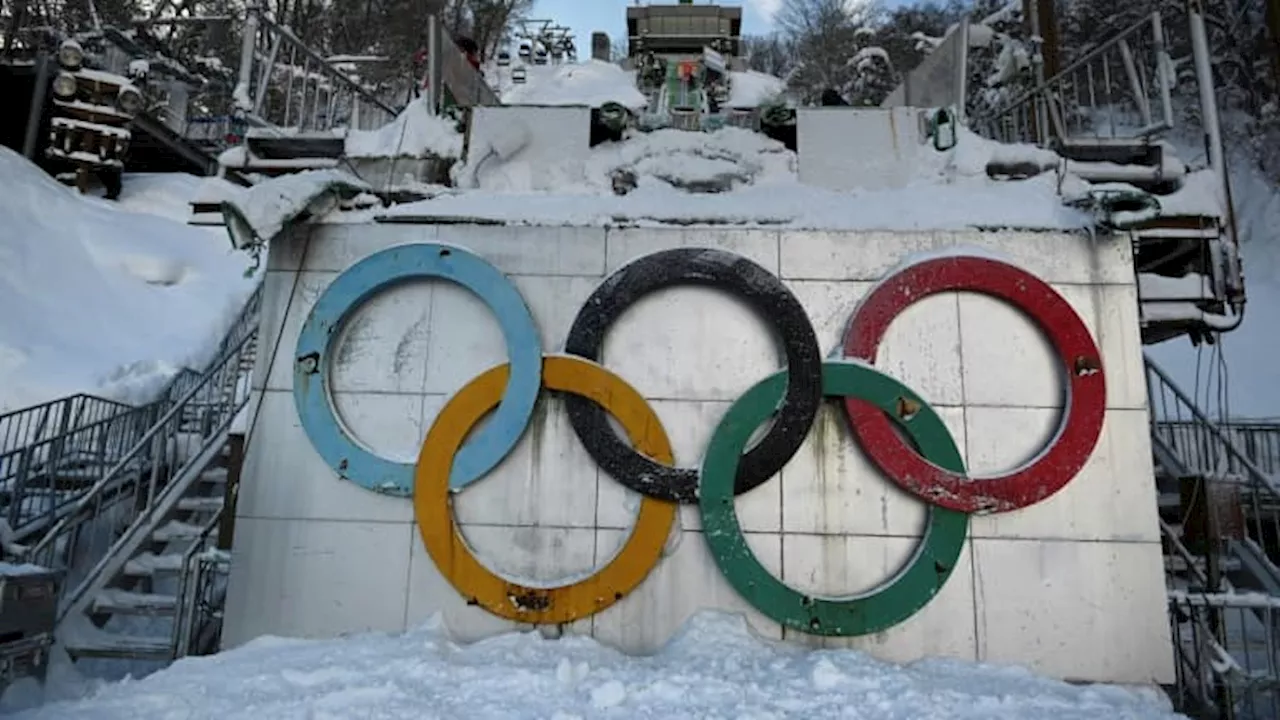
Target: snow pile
[[415, 133], [751, 89], [101, 299], [591, 83], [256, 215], [733, 176], [715, 668]]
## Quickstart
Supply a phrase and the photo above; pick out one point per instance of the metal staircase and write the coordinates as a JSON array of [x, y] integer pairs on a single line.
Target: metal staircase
[[297, 105], [143, 576], [1106, 115], [1220, 518]]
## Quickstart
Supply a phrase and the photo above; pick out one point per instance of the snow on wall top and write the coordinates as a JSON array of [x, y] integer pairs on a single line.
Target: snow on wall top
[[949, 190], [591, 83], [595, 83], [750, 89], [415, 133]]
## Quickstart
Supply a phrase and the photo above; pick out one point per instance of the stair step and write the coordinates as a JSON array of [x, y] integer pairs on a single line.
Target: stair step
[[124, 647], [150, 565], [200, 504], [214, 476], [176, 530], [291, 147], [123, 602], [1175, 563], [1169, 500], [1124, 151], [268, 166]]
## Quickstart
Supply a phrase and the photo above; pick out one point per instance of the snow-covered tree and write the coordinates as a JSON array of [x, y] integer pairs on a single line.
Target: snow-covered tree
[[824, 45]]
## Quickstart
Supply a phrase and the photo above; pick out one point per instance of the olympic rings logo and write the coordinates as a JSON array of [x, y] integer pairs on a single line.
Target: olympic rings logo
[[930, 466]]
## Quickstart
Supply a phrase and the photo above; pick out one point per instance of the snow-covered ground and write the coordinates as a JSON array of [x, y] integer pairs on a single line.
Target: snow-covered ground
[[714, 669], [107, 298]]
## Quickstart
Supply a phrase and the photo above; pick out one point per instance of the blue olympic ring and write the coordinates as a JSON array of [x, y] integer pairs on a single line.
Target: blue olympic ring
[[356, 285]]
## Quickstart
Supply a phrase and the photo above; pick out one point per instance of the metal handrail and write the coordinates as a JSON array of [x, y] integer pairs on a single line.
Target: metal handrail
[[160, 441], [91, 445], [1224, 442], [97, 442], [143, 443], [21, 427], [1132, 73], [268, 48], [329, 71], [184, 620]]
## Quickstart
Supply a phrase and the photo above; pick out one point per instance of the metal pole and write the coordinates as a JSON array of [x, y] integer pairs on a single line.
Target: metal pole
[[434, 95], [247, 45], [38, 95], [1204, 78], [1213, 131], [1038, 104]]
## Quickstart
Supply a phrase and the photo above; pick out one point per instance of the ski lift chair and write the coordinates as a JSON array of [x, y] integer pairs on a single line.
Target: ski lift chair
[[504, 58], [540, 57], [519, 74]]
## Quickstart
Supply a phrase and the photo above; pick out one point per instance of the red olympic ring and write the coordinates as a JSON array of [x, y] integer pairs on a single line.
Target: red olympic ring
[[1081, 424]]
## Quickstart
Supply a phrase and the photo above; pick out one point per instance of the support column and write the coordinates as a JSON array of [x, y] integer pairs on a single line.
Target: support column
[[38, 96]]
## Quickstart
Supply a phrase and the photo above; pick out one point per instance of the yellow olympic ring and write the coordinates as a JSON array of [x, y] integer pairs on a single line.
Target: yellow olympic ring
[[443, 538]]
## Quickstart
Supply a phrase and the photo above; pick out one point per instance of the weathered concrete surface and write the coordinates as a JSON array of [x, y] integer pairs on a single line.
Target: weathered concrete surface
[[1072, 587]]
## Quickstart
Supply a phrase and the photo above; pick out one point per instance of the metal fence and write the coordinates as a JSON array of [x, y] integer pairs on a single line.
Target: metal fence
[[1227, 654]]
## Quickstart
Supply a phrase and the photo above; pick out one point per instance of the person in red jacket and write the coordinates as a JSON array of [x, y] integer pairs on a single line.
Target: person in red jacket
[[470, 49]]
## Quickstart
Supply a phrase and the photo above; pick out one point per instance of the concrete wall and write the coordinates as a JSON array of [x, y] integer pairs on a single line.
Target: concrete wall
[[1072, 586]]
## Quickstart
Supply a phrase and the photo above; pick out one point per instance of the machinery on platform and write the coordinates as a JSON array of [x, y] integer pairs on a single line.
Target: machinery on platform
[[92, 110], [684, 56], [28, 615]]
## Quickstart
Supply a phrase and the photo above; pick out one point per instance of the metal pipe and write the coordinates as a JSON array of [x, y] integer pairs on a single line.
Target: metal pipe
[[247, 45], [1164, 65], [1213, 130], [1208, 101], [434, 95]]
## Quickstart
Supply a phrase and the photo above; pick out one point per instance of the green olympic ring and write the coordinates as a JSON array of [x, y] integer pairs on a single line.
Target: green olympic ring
[[880, 608]]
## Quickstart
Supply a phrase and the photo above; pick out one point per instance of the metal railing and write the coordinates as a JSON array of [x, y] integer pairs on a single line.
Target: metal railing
[[52, 454], [1121, 89], [1210, 453], [144, 485], [42, 480], [40, 422], [285, 84], [201, 593], [1257, 440], [1227, 654]]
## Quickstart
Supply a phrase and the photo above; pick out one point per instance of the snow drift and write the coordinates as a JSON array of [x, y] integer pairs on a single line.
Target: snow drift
[[714, 669], [414, 133], [735, 176], [103, 298]]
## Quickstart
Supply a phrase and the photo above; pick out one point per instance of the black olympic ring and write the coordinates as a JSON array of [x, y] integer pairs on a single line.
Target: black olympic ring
[[768, 296]]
